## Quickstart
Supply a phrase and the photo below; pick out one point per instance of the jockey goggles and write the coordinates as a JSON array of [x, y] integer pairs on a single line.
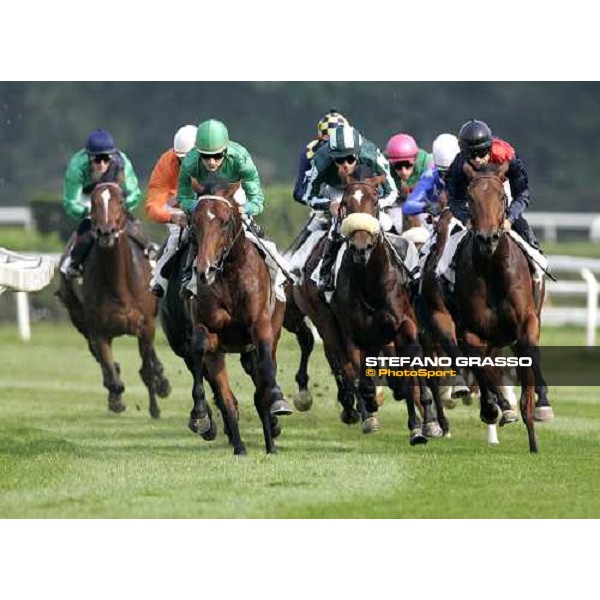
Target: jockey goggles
[[217, 156], [350, 159], [478, 152], [101, 158], [403, 164]]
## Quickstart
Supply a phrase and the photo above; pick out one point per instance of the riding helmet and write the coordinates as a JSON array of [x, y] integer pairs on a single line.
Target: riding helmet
[[475, 135], [212, 137], [345, 141], [100, 142]]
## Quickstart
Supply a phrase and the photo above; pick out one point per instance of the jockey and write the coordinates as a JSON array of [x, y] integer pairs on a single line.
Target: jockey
[[408, 162], [427, 194], [346, 151], [325, 127], [98, 162], [215, 153], [479, 148], [161, 204]]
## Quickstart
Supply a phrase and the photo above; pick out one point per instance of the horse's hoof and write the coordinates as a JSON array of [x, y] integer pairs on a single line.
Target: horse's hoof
[[275, 430], [417, 437], [379, 395], [163, 388], [370, 425], [460, 391], [433, 430], [116, 406], [467, 400], [445, 392], [508, 416], [447, 435], [281, 408], [155, 413], [543, 413], [240, 451], [211, 434], [349, 417], [303, 400], [199, 426]]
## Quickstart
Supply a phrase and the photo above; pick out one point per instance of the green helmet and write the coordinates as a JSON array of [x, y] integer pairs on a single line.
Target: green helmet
[[212, 137]]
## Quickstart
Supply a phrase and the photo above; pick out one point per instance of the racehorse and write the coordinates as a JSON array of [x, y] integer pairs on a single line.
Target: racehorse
[[232, 310], [114, 298], [495, 302], [372, 303]]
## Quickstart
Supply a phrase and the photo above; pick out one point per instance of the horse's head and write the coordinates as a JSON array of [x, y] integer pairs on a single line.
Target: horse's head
[[487, 204], [108, 215], [216, 224], [359, 212]]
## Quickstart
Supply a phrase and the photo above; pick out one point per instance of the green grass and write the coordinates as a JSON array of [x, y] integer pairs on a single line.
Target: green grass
[[62, 454]]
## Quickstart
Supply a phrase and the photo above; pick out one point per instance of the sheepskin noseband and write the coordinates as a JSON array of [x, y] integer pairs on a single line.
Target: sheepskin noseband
[[359, 222]]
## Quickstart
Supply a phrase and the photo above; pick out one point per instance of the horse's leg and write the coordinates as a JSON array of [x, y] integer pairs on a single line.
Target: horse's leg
[[268, 397], [216, 373], [489, 411], [303, 399], [368, 392], [404, 347], [531, 377], [147, 370], [110, 373], [200, 420], [249, 362]]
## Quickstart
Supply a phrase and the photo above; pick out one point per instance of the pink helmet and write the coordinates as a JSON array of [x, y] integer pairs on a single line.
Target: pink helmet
[[401, 147]]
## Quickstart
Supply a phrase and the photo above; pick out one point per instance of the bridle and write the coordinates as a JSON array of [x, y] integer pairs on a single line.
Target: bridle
[[116, 234], [231, 234], [500, 231], [342, 212]]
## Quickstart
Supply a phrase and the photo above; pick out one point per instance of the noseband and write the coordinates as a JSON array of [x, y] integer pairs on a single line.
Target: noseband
[[344, 204]]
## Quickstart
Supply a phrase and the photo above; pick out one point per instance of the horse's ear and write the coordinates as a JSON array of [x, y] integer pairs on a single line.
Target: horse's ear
[[469, 171], [197, 187], [346, 178], [375, 181], [503, 170], [232, 189]]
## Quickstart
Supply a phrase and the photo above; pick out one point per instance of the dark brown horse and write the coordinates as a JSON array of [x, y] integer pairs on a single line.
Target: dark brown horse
[[233, 310], [114, 298], [372, 304], [494, 304]]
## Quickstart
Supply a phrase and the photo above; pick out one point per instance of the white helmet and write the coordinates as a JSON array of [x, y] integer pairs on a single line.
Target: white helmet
[[185, 139], [445, 149]]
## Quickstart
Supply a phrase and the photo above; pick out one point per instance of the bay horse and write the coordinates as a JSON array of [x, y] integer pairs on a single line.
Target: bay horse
[[231, 311], [495, 301], [114, 298], [373, 307]]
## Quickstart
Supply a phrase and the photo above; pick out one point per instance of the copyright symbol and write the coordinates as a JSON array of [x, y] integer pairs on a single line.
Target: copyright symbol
[[370, 372]]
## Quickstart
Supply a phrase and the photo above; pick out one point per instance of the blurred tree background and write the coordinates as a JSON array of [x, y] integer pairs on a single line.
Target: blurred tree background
[[555, 128]]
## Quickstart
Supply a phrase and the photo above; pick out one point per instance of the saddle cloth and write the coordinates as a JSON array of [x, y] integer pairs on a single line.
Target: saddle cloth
[[446, 267]]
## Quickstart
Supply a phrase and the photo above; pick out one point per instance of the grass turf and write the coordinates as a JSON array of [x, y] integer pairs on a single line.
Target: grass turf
[[62, 454]]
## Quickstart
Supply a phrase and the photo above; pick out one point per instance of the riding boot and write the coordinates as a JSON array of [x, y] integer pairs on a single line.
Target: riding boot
[[81, 249], [326, 274], [186, 276], [522, 227]]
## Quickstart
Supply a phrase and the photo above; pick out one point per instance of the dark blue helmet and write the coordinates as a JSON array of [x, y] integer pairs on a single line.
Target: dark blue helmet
[[100, 142]]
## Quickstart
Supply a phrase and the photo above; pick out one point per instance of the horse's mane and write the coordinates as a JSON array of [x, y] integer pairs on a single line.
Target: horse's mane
[[213, 183]]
